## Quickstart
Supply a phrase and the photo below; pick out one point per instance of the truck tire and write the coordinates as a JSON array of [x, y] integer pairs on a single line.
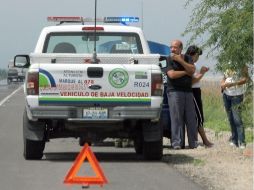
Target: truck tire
[[152, 140], [33, 149], [153, 150]]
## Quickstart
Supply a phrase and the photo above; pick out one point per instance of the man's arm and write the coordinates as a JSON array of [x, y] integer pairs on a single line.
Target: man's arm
[[173, 74], [189, 68], [176, 74]]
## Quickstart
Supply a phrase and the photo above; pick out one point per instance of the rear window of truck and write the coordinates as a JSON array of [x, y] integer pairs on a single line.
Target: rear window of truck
[[83, 42]]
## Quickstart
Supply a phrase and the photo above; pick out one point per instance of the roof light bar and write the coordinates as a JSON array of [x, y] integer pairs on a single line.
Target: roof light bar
[[65, 18], [120, 19], [123, 20]]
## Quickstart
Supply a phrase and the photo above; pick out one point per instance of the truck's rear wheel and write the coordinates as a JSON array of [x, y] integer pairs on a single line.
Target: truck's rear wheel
[[33, 149], [152, 140], [153, 150]]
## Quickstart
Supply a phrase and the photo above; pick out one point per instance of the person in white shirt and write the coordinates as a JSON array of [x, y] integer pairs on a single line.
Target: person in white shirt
[[195, 52], [233, 86]]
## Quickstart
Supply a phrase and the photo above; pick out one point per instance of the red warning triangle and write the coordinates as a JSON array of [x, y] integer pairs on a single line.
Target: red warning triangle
[[72, 178]]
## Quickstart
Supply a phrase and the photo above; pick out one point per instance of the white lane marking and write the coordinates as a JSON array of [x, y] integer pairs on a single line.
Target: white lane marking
[[6, 98]]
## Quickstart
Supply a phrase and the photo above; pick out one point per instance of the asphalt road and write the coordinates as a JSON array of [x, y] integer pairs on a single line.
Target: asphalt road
[[123, 169]]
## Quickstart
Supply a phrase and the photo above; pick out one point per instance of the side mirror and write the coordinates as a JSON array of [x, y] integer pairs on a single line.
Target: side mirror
[[163, 62], [22, 61]]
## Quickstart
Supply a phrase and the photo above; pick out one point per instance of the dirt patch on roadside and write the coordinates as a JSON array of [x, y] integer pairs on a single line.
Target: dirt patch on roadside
[[221, 167]]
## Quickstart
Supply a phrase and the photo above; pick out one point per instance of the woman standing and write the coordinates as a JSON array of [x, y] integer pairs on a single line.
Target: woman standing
[[195, 52]]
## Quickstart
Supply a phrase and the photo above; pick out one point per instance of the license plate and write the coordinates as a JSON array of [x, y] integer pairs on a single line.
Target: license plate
[[95, 113]]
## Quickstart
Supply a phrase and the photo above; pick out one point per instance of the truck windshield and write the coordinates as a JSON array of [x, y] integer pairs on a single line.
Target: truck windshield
[[81, 42]]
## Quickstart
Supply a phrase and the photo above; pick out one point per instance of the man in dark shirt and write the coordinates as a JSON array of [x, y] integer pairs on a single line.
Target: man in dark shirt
[[182, 111]]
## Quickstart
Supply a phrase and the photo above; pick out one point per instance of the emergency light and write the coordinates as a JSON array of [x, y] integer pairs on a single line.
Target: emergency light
[[77, 19], [120, 19], [65, 18]]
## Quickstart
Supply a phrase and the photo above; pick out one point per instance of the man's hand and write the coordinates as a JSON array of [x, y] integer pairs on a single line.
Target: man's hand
[[177, 58]]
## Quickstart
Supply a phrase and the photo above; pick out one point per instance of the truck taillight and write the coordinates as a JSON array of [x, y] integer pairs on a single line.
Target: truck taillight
[[157, 85], [32, 85], [92, 28]]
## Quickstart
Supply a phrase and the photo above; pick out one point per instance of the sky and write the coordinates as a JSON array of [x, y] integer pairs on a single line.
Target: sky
[[22, 21]]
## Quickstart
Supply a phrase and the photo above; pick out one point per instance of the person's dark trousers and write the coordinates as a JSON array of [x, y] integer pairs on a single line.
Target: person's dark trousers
[[198, 106], [182, 113], [233, 108]]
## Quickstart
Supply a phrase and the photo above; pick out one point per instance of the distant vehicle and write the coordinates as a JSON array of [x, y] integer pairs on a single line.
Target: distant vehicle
[[15, 73], [12, 74]]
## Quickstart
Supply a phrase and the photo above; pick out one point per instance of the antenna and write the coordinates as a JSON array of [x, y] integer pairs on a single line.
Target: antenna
[[94, 59], [142, 14]]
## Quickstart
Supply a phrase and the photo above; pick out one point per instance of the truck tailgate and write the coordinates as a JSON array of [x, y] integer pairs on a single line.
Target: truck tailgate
[[95, 84]]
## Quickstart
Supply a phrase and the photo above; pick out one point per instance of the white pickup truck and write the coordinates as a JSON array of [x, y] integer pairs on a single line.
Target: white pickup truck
[[92, 84]]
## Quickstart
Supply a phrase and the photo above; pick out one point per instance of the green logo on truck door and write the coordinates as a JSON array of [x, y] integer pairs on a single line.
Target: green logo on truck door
[[118, 78]]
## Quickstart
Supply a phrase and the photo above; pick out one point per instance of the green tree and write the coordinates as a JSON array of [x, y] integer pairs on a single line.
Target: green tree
[[225, 27]]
